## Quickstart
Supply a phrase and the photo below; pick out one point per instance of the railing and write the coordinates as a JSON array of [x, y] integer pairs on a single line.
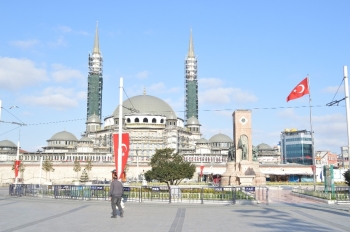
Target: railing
[[339, 194], [175, 194]]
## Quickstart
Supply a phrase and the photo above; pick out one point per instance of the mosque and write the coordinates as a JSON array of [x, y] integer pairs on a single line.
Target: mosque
[[151, 123]]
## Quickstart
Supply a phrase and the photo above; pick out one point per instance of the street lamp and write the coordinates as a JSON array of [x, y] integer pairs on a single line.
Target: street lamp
[[41, 165]]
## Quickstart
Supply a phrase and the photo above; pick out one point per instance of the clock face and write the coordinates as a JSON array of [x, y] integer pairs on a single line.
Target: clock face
[[243, 120]]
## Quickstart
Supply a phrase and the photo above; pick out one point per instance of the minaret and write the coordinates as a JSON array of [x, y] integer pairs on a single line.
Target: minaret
[[191, 83], [95, 80]]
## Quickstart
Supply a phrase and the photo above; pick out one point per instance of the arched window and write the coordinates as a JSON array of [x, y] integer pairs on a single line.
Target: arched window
[[162, 121], [154, 120], [128, 120], [145, 120], [137, 120]]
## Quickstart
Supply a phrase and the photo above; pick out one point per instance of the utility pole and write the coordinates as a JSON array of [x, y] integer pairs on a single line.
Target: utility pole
[[346, 88]]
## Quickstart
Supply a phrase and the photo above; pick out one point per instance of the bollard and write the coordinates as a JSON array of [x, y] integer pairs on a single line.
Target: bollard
[[267, 196], [202, 196], [234, 195], [169, 195]]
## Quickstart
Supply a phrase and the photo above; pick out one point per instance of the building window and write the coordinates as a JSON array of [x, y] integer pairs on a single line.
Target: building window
[[145, 120], [162, 121], [154, 120], [128, 120], [137, 120]]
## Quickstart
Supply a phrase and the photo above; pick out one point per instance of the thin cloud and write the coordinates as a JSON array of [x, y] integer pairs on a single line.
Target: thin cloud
[[19, 73], [64, 74], [24, 44], [225, 95], [64, 29], [160, 88], [60, 42], [142, 75], [325, 127], [57, 98], [206, 83], [333, 89]]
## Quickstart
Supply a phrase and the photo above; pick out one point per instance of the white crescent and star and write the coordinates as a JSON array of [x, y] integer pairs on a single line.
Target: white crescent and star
[[302, 89], [126, 148]]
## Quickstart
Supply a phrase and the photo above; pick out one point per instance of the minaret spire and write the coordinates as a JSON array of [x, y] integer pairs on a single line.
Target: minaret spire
[[190, 47], [95, 80], [96, 48], [191, 83]]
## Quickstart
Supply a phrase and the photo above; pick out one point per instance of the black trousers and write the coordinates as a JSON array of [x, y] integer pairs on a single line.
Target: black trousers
[[116, 202]]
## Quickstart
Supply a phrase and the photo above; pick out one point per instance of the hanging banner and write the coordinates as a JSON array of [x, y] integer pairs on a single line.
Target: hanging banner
[[17, 163], [125, 150], [201, 167]]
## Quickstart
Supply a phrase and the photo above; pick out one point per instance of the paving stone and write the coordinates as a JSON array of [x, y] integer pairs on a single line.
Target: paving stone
[[45, 214]]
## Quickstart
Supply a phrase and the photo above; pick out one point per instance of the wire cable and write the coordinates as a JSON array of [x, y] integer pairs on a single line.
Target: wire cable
[[206, 110], [12, 115]]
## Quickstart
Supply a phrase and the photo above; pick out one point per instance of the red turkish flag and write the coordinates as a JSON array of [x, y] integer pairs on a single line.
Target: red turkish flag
[[201, 167], [300, 90], [125, 151], [17, 163]]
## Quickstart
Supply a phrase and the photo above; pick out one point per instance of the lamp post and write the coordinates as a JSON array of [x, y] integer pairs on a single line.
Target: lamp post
[[41, 165]]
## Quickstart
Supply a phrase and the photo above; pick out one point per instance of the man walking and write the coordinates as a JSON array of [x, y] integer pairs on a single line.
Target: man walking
[[116, 192]]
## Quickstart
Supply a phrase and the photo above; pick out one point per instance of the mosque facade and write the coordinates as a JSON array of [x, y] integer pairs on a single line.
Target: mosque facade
[[151, 123]]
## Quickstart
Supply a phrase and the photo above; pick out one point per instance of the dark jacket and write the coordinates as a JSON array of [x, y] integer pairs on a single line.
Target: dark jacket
[[116, 188]]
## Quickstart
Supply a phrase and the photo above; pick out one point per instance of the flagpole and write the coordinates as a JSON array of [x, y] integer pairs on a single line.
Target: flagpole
[[312, 137], [119, 171]]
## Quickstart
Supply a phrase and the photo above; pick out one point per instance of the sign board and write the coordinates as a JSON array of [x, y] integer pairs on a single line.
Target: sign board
[[64, 187], [127, 189], [249, 189], [97, 187], [218, 189], [155, 189]]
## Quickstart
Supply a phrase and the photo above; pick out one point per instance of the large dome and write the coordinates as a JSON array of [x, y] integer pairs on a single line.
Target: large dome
[[7, 143], [264, 146], [220, 138], [63, 136], [146, 104]]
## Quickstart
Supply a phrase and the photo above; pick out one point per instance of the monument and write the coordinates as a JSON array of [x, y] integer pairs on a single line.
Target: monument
[[242, 167]]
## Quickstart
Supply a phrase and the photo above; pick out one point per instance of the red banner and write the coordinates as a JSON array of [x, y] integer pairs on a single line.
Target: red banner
[[17, 163], [125, 151], [313, 167], [201, 167]]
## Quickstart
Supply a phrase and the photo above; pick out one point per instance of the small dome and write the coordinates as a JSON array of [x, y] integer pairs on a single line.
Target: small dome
[[7, 143], [192, 121], [63, 136], [94, 119], [171, 116], [146, 104], [220, 138], [85, 139], [264, 146], [201, 140]]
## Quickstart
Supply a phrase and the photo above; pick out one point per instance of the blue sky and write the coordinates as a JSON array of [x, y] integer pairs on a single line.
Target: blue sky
[[250, 55]]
